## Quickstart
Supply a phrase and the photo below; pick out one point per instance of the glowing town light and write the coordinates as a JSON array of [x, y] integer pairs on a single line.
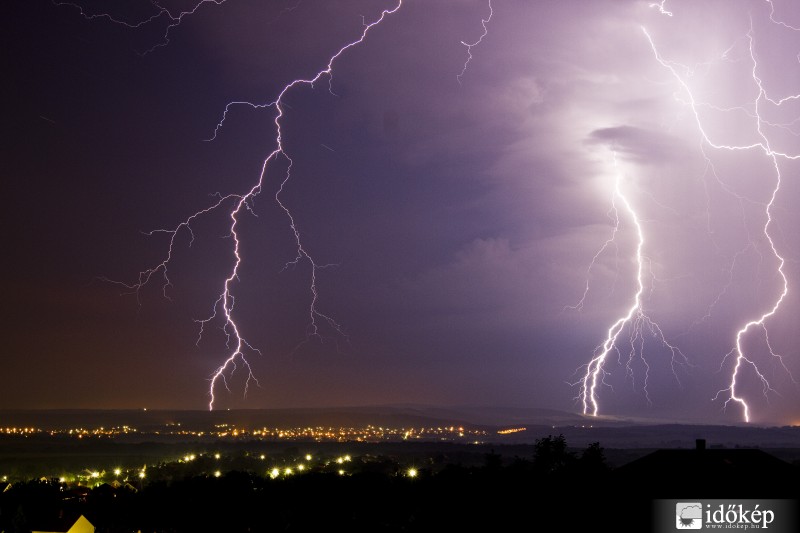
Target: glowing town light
[[217, 473], [412, 472], [216, 456], [141, 474], [275, 472], [341, 472], [301, 467], [117, 471], [308, 457], [95, 475], [288, 471], [262, 456]]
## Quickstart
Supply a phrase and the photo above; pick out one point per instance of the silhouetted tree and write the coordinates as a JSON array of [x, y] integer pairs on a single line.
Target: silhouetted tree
[[550, 455], [593, 460], [29, 505]]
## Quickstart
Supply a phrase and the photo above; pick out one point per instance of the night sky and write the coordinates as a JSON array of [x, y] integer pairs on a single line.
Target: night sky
[[459, 215]]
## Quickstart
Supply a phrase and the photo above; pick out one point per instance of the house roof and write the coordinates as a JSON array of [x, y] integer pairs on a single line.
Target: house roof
[[82, 525], [711, 472]]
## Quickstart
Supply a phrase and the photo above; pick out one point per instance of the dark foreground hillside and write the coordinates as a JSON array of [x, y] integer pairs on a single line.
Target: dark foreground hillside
[[555, 489]]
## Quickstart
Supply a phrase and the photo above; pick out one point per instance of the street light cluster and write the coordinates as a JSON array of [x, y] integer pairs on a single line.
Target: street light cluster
[[285, 468]]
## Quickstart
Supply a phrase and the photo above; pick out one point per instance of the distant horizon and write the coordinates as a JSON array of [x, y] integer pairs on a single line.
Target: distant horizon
[[568, 417]]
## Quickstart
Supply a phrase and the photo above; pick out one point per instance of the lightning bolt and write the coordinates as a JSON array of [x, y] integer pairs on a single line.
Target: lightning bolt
[[236, 206], [173, 19], [635, 321], [225, 302], [470, 46], [741, 358], [661, 9]]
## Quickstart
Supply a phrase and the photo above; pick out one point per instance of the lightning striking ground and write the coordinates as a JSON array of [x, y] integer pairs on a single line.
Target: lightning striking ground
[[237, 204], [750, 349], [225, 302], [741, 358], [635, 321]]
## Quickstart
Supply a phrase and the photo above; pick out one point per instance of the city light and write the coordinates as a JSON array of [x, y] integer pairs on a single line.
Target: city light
[[510, 430], [368, 433]]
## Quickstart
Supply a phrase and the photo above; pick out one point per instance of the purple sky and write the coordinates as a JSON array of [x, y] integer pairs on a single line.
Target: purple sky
[[462, 218]]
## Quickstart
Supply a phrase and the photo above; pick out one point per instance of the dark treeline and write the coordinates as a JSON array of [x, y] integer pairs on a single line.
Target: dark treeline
[[553, 489]]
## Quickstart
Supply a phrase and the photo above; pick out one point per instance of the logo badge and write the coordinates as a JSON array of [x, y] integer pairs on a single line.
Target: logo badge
[[689, 515]]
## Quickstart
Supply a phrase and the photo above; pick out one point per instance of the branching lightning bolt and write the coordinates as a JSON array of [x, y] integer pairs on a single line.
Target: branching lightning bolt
[[635, 320], [470, 46], [661, 9], [236, 204], [741, 359], [613, 215], [161, 12], [223, 308], [225, 301]]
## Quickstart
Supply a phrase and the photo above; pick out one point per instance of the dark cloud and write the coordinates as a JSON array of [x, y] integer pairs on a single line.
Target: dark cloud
[[639, 145]]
